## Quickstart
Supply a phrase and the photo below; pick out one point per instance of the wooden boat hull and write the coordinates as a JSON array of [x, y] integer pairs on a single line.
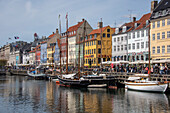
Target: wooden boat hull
[[74, 83], [147, 86]]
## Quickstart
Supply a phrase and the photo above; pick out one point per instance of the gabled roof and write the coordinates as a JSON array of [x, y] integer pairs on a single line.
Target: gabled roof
[[51, 35], [75, 27], [143, 20], [98, 31], [161, 10], [163, 4]]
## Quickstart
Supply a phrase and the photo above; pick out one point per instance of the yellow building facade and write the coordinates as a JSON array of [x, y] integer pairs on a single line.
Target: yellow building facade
[[160, 31], [160, 38], [98, 46]]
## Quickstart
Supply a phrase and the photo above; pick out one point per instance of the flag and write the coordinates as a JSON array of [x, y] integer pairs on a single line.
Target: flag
[[16, 37]]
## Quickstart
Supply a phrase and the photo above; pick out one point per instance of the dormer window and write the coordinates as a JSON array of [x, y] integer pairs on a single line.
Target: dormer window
[[147, 22], [124, 28], [95, 35], [136, 25], [90, 36], [117, 31]]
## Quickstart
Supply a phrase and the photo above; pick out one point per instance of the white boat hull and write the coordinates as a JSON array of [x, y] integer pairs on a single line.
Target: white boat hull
[[97, 86], [147, 86]]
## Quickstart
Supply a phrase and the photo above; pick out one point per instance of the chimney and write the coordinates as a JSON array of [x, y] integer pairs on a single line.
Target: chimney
[[134, 19], [100, 25], [153, 5], [83, 19], [56, 31]]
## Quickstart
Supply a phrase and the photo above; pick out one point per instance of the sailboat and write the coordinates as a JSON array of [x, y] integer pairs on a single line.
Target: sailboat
[[70, 80], [147, 85]]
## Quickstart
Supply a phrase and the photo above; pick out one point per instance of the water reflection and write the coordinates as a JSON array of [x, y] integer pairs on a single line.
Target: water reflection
[[21, 95]]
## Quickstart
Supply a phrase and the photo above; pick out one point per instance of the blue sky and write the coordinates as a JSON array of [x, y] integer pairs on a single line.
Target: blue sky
[[23, 18]]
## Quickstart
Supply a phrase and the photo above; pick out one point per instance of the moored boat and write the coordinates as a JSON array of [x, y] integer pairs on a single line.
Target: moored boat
[[144, 85]]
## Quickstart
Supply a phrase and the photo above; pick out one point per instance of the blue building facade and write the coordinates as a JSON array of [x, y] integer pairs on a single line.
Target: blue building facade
[[43, 53]]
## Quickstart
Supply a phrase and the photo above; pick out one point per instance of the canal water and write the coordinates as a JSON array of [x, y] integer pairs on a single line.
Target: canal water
[[22, 95]]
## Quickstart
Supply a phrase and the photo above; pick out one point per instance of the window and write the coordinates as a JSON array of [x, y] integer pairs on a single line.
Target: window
[[153, 36], [114, 39], [142, 34], [158, 49], [153, 25], [90, 36], [86, 61], [147, 44], [118, 39], [138, 44], [90, 43], [94, 51], [108, 35], [86, 43], [163, 22], [133, 35], [129, 46], [168, 22], [122, 38], [133, 46], [146, 32], [94, 42], [99, 42], [121, 47], [118, 48], [99, 51], [114, 48], [138, 34], [163, 49], [163, 35], [94, 60], [125, 47], [108, 30], [158, 36], [95, 35], [168, 48], [153, 50], [168, 34], [86, 52], [104, 35], [129, 35], [90, 51], [142, 45], [125, 37], [158, 23]]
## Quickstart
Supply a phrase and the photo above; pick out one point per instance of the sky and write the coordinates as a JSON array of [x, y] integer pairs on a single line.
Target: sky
[[23, 18]]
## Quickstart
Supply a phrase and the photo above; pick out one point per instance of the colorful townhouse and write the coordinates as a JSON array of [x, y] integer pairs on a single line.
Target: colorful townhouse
[[120, 41], [98, 46], [51, 43], [160, 31], [74, 32], [138, 40], [43, 58], [37, 54]]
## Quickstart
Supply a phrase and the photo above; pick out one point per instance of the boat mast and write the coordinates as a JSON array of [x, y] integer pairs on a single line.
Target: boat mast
[[149, 52], [67, 44], [84, 42], [79, 58], [60, 42], [101, 47]]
